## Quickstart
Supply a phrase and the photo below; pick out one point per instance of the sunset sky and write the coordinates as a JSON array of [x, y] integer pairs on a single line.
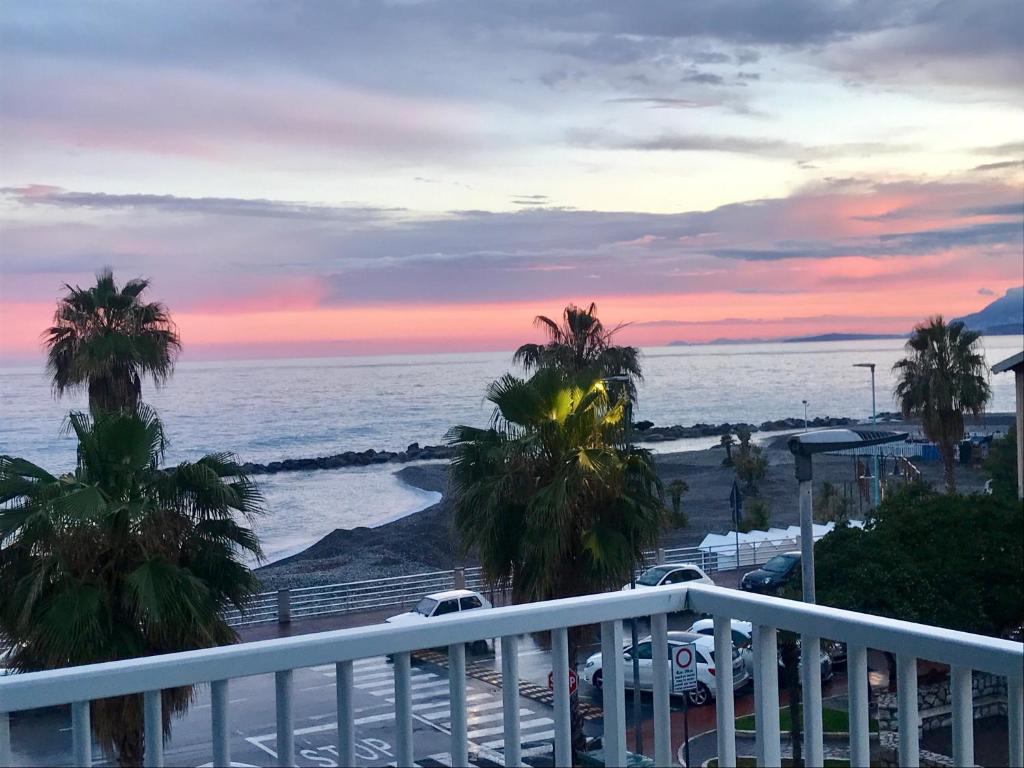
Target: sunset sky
[[316, 178]]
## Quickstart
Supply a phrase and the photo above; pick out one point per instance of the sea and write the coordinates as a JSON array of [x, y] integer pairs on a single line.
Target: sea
[[267, 410]]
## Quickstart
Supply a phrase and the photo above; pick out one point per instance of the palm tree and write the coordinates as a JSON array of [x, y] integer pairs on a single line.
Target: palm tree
[[107, 338], [581, 344], [550, 503], [120, 559], [676, 490], [943, 377], [727, 441]]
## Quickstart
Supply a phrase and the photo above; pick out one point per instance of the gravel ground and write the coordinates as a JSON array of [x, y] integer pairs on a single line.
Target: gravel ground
[[423, 541]]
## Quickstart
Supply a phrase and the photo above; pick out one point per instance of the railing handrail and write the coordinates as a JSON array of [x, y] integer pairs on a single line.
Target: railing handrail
[[96, 681], [372, 582]]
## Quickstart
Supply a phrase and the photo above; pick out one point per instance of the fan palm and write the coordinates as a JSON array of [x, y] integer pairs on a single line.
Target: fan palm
[[551, 505], [121, 559], [943, 377], [106, 338], [581, 345]]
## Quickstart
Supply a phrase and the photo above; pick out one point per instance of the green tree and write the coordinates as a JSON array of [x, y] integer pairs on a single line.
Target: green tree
[[727, 442], [943, 377], [1001, 464], [580, 344], [750, 462], [944, 559], [831, 506], [549, 500], [106, 338], [756, 515], [676, 490], [120, 559]]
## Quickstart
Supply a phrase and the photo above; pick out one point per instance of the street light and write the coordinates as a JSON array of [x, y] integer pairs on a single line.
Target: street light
[[805, 414], [876, 490], [638, 734], [803, 447]]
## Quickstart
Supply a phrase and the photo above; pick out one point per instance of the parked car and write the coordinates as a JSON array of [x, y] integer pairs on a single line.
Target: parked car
[[705, 652], [773, 575], [743, 641], [441, 604], [680, 573]]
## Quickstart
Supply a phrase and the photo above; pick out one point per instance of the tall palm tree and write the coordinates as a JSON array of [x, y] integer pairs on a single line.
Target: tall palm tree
[[943, 377], [552, 505], [581, 344], [120, 559], [107, 338]]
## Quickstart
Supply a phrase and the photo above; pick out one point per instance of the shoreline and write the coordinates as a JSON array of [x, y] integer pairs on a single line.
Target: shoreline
[[423, 541]]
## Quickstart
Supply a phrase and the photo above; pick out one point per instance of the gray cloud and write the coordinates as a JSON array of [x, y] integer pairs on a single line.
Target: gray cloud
[[893, 244], [986, 292], [1008, 209], [364, 255], [998, 166], [702, 78], [734, 144], [657, 102], [210, 206], [1011, 148]]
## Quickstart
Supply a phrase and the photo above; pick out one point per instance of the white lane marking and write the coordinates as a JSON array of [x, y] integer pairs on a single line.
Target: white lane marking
[[495, 730], [543, 749], [499, 743], [207, 705], [445, 711], [438, 690], [419, 681], [444, 758], [435, 710], [494, 716]]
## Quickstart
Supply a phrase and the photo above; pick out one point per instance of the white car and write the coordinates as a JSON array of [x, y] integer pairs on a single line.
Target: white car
[[705, 652], [441, 604], [743, 639], [679, 573]]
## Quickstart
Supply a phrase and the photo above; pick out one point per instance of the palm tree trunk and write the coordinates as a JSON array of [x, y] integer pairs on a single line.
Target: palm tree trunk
[[948, 466], [579, 741]]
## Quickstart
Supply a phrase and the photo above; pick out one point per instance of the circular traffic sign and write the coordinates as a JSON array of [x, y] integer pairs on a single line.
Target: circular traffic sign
[[684, 657], [573, 681]]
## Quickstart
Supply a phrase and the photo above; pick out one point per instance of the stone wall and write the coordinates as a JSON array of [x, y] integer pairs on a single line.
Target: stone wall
[[934, 703]]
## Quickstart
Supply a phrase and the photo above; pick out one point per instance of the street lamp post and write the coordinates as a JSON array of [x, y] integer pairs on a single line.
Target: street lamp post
[[805, 414], [803, 447], [876, 489], [634, 639]]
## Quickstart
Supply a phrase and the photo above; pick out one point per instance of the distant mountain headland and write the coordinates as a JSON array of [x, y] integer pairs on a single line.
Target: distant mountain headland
[[1002, 317]]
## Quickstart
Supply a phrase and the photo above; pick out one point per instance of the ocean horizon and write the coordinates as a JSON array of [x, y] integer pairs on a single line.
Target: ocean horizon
[[269, 410]]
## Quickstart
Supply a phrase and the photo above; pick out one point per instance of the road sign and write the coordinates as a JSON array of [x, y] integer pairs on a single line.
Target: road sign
[[684, 668], [573, 681]]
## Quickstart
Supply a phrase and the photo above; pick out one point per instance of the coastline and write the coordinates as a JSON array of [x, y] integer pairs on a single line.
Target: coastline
[[423, 541]]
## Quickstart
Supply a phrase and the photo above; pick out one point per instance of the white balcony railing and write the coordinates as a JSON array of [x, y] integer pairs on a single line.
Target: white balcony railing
[[218, 666]]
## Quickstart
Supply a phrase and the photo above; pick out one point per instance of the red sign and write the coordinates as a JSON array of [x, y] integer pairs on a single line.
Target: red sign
[[573, 681]]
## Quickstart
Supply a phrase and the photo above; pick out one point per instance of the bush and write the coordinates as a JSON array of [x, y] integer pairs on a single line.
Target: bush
[[1001, 464], [949, 560], [756, 517]]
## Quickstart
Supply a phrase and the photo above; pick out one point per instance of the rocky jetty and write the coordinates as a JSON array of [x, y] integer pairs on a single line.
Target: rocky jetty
[[645, 431], [414, 452]]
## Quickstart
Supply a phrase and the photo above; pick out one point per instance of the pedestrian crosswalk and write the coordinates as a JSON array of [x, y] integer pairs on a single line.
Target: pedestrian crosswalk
[[431, 705]]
